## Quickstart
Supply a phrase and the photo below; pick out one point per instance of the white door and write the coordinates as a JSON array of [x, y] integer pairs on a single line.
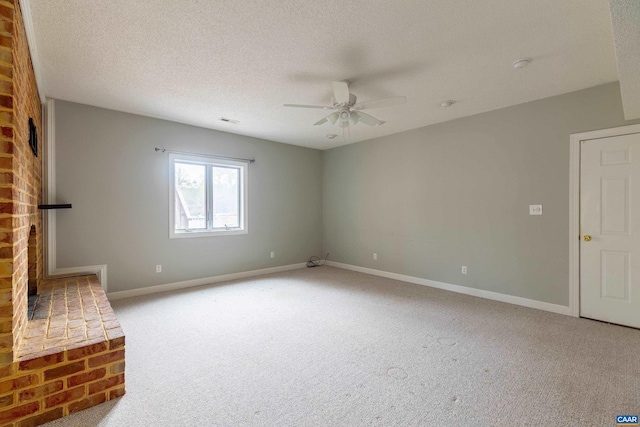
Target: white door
[[610, 229]]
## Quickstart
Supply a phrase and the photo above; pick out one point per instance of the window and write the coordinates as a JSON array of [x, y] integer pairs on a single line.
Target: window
[[208, 197]]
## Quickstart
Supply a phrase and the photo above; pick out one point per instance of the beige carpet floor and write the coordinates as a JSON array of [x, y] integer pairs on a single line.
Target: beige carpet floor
[[330, 347]]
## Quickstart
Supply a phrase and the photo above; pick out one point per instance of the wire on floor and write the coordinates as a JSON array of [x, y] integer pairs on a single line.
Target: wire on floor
[[314, 261]]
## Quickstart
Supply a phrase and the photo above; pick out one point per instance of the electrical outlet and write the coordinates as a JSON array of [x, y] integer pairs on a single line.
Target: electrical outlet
[[273, 254], [464, 269], [158, 268], [375, 256], [535, 209]]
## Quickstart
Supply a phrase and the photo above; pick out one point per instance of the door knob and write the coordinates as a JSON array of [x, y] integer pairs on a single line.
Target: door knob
[[587, 238]]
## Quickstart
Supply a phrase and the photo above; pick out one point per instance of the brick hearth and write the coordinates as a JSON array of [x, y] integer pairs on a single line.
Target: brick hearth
[[70, 313], [71, 357]]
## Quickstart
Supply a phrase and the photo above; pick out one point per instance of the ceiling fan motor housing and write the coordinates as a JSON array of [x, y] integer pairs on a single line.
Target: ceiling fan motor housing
[[352, 101]]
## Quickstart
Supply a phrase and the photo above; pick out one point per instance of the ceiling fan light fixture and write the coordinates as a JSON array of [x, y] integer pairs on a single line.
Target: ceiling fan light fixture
[[347, 111]]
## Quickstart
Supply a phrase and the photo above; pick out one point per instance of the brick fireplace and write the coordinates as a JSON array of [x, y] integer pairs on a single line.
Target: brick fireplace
[[70, 356]]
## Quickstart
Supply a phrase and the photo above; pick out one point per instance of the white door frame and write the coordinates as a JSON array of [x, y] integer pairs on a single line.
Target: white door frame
[[574, 206]]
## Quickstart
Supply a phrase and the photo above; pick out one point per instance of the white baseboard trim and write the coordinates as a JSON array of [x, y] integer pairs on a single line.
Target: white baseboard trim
[[98, 270], [201, 282], [525, 302]]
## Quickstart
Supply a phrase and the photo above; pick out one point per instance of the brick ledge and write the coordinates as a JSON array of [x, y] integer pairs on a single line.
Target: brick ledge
[[70, 313], [71, 359]]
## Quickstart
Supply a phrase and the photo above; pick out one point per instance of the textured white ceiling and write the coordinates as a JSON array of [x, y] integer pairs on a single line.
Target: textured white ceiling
[[625, 18], [193, 61]]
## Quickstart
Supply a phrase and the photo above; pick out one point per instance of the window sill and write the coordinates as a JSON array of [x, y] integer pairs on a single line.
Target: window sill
[[189, 234]]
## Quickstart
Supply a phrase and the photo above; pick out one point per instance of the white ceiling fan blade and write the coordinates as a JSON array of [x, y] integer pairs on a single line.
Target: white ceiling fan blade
[[321, 121], [367, 119], [321, 107], [380, 103], [341, 92], [333, 117]]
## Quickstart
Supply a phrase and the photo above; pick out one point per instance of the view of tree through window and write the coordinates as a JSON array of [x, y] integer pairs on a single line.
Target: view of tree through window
[[208, 196], [191, 199], [226, 197]]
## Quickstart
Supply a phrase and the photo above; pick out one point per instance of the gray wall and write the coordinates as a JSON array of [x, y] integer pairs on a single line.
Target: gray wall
[[457, 193], [427, 201], [118, 185]]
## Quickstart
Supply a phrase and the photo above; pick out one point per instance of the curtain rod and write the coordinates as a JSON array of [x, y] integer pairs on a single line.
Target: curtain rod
[[238, 159]]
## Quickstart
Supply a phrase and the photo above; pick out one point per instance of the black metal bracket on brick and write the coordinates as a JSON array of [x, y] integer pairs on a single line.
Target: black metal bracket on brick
[[61, 206]]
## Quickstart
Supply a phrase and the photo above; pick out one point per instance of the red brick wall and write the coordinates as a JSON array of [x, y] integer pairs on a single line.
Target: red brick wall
[[6, 183], [20, 176], [27, 169], [52, 386]]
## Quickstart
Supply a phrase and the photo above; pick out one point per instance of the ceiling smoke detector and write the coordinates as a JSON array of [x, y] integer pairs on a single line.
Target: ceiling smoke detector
[[447, 103], [521, 63], [331, 136]]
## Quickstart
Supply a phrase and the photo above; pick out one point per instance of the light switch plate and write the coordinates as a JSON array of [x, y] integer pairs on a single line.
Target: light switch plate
[[535, 209]]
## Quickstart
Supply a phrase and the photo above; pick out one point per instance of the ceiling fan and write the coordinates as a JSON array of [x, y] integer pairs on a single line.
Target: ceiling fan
[[347, 111]]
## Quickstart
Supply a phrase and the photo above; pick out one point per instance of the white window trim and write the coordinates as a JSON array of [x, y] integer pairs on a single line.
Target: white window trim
[[244, 190]]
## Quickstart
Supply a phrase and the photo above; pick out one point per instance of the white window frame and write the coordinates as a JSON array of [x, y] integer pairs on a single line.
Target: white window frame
[[209, 232]]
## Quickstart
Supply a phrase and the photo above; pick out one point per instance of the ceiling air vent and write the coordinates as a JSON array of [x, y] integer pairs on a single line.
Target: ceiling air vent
[[224, 119]]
